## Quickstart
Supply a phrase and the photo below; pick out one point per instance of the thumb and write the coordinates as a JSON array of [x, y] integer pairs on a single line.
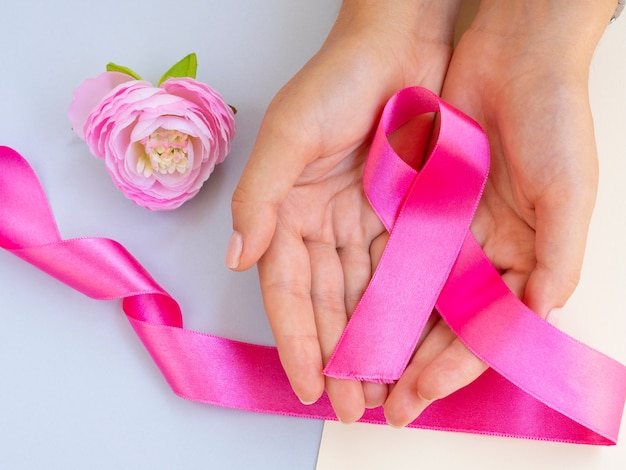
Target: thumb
[[561, 235], [275, 163]]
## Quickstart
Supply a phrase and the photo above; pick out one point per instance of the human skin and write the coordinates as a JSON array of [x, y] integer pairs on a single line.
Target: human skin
[[521, 70], [299, 209], [300, 212]]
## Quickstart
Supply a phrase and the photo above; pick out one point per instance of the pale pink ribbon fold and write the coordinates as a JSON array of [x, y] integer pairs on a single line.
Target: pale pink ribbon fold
[[541, 384]]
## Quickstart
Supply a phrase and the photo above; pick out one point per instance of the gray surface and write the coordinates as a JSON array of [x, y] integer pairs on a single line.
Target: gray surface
[[77, 390]]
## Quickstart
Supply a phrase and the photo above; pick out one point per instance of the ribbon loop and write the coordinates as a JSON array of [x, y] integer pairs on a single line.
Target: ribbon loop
[[431, 259], [432, 217]]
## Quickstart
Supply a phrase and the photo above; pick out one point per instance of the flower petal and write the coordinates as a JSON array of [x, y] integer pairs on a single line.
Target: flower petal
[[89, 94]]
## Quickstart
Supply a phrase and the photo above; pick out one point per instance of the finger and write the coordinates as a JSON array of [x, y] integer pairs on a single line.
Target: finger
[[563, 217], [356, 267], [355, 238], [404, 404], [327, 294], [277, 159], [285, 278], [376, 249], [375, 394], [357, 271], [454, 368], [564, 199]]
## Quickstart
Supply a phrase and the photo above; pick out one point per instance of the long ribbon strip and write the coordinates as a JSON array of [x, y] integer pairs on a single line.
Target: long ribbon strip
[[431, 259]]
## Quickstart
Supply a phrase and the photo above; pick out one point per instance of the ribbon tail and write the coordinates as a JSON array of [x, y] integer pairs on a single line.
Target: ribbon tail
[[558, 373]]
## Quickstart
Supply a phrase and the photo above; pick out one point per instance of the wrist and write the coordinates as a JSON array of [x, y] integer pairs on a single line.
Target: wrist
[[566, 31], [415, 21]]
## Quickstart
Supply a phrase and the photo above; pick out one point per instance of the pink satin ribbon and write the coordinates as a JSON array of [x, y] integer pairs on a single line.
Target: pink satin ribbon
[[542, 384]]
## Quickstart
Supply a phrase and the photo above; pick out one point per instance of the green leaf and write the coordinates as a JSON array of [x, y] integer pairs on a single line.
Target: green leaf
[[111, 67], [186, 67]]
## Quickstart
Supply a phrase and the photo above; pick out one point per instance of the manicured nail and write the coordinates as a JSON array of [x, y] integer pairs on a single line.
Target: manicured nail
[[233, 252], [554, 316], [306, 402]]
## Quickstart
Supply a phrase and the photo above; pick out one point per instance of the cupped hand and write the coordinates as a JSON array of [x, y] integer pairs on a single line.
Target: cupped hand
[[299, 209], [521, 71]]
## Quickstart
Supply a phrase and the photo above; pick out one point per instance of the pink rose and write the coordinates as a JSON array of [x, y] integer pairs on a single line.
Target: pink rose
[[159, 144]]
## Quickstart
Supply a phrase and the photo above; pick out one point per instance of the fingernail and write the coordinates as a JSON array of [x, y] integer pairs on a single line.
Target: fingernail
[[306, 402], [233, 252], [423, 398], [394, 426], [554, 316]]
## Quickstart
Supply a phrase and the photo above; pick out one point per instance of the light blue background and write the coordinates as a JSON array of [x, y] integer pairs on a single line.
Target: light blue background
[[77, 389]]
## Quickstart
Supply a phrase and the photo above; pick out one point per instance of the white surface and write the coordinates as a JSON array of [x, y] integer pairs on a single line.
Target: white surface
[[594, 315], [77, 390]]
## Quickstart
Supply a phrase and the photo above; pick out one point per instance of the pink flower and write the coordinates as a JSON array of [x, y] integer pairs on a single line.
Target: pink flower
[[159, 144]]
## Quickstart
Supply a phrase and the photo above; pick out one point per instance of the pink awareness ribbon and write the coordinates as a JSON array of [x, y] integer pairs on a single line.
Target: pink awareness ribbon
[[431, 260]]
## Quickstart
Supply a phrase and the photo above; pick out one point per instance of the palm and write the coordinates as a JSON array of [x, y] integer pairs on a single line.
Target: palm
[[542, 169], [543, 162], [319, 260]]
